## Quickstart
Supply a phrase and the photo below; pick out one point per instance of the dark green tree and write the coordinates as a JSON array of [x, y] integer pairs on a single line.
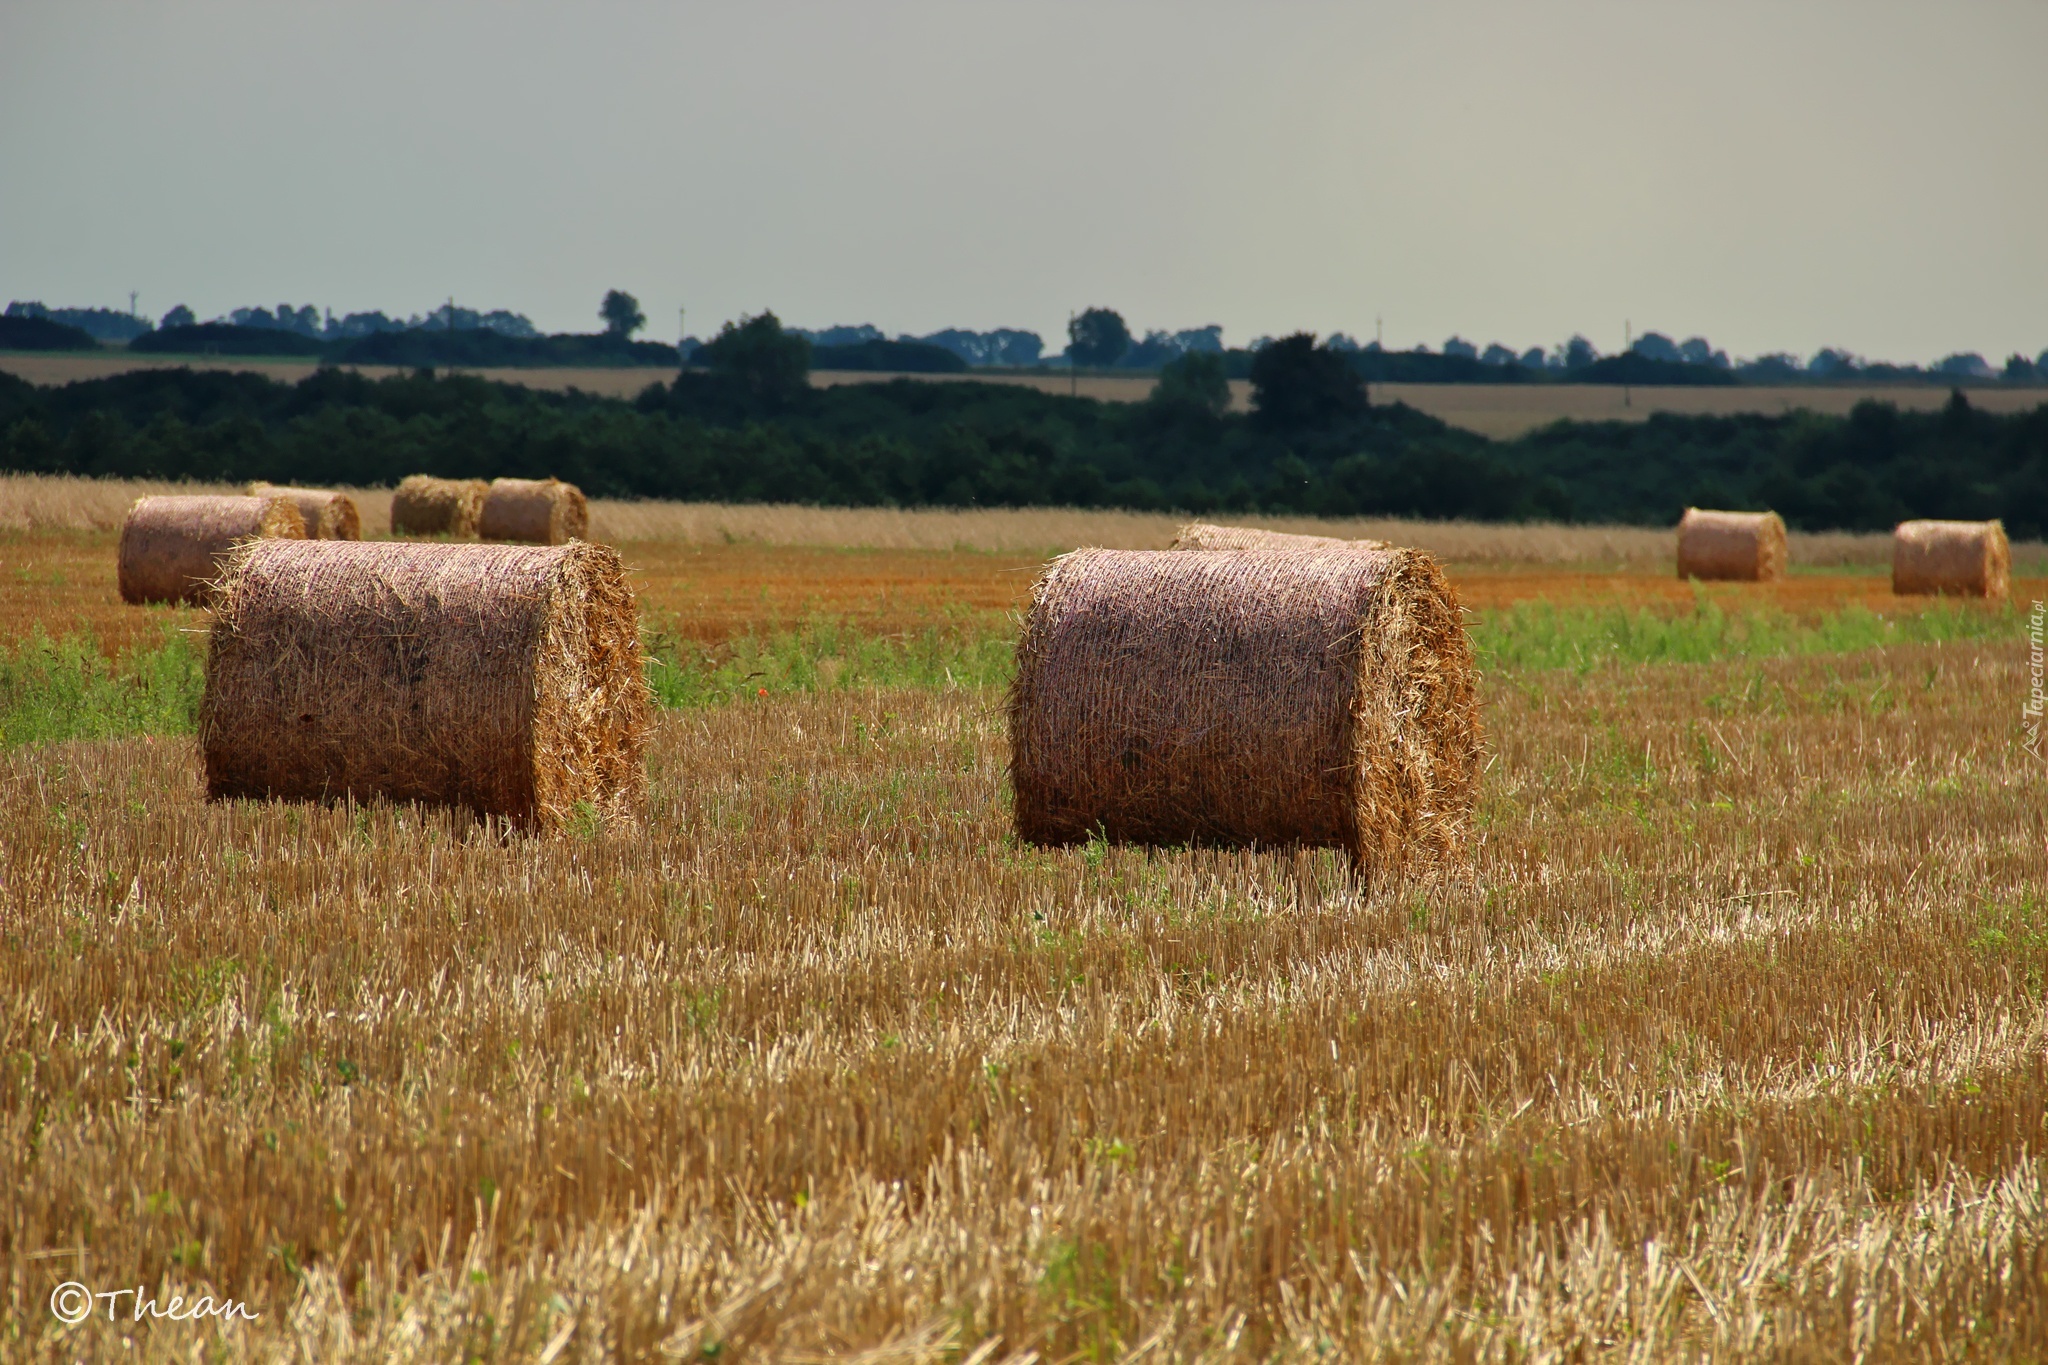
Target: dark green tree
[[1194, 382], [621, 314], [1098, 337], [770, 365], [1298, 385]]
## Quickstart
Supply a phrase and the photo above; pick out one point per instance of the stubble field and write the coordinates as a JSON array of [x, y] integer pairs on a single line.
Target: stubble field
[[1730, 1042]]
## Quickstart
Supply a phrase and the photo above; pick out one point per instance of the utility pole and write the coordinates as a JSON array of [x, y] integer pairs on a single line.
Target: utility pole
[[132, 296], [1073, 361], [1628, 344], [682, 335], [1379, 331]]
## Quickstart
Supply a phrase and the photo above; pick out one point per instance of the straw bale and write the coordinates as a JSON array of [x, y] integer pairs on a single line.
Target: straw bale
[[506, 679], [1966, 558], [1244, 697], [328, 515], [427, 506], [541, 511], [172, 547], [1746, 546], [1202, 535]]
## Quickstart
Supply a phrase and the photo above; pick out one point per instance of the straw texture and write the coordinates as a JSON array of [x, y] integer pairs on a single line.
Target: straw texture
[[506, 679], [172, 548], [328, 515], [1247, 697], [1964, 558], [427, 506], [1202, 535], [1748, 547], [539, 511]]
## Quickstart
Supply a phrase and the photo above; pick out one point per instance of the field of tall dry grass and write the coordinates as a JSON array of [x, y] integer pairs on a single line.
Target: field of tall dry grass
[[1730, 1043]]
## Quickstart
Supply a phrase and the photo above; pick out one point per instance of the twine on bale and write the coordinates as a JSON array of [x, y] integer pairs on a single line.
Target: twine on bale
[[539, 511], [427, 506], [1245, 697], [328, 515], [172, 548], [1202, 535], [1964, 558], [505, 679], [1746, 547]]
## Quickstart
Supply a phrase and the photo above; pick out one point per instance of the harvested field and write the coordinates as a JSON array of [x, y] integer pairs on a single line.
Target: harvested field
[[1730, 1043], [1739, 1013]]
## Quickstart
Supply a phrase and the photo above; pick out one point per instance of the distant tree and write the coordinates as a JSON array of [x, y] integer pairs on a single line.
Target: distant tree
[[1579, 352], [1657, 346], [1341, 341], [771, 365], [1699, 351], [622, 315], [181, 316], [1533, 358], [1298, 385], [2019, 370], [1098, 337], [1831, 363], [1194, 382], [1462, 348], [1963, 365], [1497, 354]]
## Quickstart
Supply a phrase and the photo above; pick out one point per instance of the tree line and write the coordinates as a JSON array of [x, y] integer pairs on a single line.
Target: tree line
[[746, 425]]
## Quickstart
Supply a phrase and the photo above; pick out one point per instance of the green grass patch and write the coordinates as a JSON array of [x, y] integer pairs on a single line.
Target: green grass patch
[[67, 689], [1539, 635], [823, 656]]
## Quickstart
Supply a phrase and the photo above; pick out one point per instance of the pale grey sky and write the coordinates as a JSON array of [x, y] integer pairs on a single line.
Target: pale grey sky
[[1772, 175]]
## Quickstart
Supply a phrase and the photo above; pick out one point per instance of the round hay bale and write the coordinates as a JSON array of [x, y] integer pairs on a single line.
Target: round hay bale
[[540, 511], [1201, 535], [427, 506], [173, 548], [1745, 546], [1247, 698], [328, 515], [506, 679], [1965, 558]]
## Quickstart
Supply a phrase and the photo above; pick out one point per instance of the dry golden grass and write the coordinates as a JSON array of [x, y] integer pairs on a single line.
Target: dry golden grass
[[35, 502], [1732, 1044]]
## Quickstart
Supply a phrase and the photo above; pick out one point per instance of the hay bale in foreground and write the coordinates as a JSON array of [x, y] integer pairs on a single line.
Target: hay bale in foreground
[[328, 515], [1966, 558], [1747, 547], [1247, 697], [1202, 535], [539, 511], [427, 506], [173, 548], [503, 678]]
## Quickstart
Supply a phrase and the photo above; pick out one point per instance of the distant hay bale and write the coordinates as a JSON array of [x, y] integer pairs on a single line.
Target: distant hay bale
[[427, 506], [173, 548], [1966, 558], [1247, 698], [538, 511], [328, 515], [506, 679], [1745, 546], [1202, 535]]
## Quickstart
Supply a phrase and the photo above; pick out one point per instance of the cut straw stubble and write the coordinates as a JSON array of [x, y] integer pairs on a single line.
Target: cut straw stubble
[[504, 679]]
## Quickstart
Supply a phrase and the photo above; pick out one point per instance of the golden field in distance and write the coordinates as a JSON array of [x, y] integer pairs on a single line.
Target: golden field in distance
[[1500, 411]]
